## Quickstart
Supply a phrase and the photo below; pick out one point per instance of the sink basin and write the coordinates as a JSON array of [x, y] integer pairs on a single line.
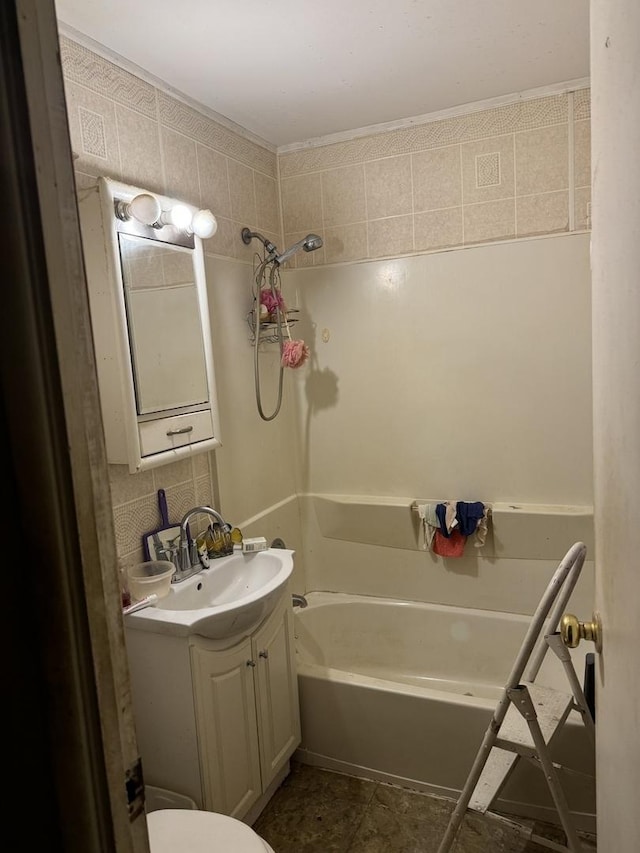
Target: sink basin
[[229, 599]]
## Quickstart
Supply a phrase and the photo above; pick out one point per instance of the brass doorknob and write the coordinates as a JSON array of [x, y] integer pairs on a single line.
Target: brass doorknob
[[572, 631]]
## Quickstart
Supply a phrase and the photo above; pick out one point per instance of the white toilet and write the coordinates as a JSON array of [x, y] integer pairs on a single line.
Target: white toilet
[[193, 831]]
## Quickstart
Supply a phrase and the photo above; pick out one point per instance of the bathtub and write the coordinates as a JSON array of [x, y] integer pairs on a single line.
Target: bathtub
[[402, 692]]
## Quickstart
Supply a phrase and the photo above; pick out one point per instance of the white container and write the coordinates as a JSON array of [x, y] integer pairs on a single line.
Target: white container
[[154, 576]]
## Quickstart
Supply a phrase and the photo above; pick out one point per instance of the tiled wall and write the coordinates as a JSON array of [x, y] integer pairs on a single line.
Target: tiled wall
[[123, 127], [506, 172]]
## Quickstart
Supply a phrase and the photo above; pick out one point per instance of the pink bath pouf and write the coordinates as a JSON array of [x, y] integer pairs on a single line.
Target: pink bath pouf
[[271, 301], [294, 353]]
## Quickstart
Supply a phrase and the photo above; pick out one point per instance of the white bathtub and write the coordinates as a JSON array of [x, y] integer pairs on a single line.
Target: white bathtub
[[402, 692]]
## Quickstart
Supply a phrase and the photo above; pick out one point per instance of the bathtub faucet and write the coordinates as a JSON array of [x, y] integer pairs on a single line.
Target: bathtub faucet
[[299, 600]]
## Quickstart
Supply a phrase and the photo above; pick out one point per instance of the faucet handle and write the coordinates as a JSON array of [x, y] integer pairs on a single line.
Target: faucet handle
[[185, 556]]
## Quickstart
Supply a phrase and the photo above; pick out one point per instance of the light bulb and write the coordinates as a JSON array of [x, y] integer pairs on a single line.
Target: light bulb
[[145, 208], [180, 216], [204, 224]]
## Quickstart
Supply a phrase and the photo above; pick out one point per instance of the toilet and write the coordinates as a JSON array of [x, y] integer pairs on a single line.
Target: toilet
[[193, 831]]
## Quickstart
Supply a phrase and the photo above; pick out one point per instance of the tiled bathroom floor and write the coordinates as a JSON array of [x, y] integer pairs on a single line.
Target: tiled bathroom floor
[[319, 810]]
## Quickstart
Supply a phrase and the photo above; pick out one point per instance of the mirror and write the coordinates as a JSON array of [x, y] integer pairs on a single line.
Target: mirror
[[150, 318], [164, 324]]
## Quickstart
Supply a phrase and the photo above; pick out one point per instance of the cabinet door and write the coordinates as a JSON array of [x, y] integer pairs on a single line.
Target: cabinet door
[[227, 727], [278, 707]]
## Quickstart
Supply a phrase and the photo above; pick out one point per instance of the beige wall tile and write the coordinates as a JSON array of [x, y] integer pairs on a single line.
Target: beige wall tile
[[204, 494], [214, 181], [180, 166], [127, 487], [487, 169], [388, 237], [542, 160], [203, 129], [139, 150], [226, 241], [547, 213], [200, 463], [491, 220], [83, 181], [174, 473], [301, 202], [93, 131], [582, 153], [180, 498], [242, 191], [582, 209], [388, 187], [267, 203], [133, 519], [343, 195], [437, 229], [479, 124], [437, 178], [346, 243]]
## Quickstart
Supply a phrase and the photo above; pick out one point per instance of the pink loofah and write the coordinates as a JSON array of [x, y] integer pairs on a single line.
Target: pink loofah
[[271, 301], [294, 353]]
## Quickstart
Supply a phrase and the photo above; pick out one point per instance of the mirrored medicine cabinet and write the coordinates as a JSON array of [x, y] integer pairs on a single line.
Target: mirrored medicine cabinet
[[151, 327]]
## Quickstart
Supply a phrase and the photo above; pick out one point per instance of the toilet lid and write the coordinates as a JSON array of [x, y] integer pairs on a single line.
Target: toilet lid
[[191, 831]]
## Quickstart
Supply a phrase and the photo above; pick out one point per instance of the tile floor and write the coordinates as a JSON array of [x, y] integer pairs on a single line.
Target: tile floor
[[319, 810]]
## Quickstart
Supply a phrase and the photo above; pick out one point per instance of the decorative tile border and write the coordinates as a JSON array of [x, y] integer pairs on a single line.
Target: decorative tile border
[[582, 104], [523, 115], [179, 116], [88, 69]]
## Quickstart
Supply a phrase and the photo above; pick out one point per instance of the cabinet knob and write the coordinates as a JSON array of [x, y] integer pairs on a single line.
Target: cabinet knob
[[251, 663], [263, 654]]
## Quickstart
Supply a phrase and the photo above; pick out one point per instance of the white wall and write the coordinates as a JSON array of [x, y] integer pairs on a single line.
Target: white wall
[[462, 374]]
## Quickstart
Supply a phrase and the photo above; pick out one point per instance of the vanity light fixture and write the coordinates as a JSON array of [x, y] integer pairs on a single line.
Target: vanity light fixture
[[146, 209], [143, 207]]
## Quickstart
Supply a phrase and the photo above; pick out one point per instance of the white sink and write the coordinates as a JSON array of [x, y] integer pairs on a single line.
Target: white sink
[[229, 599]]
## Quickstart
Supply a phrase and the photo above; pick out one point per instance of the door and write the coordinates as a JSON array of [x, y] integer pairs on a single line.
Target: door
[[615, 262], [227, 727], [277, 691]]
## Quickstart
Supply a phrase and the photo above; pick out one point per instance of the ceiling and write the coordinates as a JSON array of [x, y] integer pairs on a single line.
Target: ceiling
[[291, 71]]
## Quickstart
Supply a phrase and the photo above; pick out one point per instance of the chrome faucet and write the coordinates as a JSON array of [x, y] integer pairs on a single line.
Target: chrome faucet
[[188, 562], [299, 600]]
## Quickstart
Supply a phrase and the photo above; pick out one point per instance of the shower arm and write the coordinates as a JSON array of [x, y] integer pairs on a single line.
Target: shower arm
[[308, 244], [248, 235]]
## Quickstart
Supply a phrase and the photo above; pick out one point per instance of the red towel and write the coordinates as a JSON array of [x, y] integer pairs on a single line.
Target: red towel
[[449, 547]]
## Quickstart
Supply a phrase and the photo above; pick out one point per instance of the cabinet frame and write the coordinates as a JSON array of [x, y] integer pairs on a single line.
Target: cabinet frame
[[141, 441]]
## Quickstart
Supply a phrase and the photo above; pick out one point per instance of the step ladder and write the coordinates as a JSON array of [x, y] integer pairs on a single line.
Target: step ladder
[[529, 716]]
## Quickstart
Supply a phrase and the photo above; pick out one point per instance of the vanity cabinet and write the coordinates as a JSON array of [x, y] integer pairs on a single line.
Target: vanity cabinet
[[247, 713], [217, 721]]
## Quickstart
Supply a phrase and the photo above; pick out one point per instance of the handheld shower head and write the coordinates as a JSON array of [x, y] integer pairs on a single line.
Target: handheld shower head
[[308, 244]]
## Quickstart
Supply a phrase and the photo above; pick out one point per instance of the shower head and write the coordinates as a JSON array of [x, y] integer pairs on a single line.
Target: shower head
[[308, 244]]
